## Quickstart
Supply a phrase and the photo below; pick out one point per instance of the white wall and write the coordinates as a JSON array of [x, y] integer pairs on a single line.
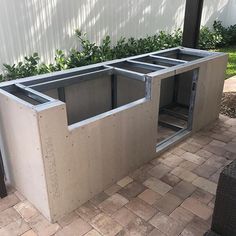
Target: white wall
[[42, 26], [223, 10]]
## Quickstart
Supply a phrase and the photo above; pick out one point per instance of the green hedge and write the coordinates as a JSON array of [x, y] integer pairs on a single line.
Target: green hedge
[[91, 53]]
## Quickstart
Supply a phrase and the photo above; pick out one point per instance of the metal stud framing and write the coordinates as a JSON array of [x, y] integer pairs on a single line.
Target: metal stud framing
[[32, 87]]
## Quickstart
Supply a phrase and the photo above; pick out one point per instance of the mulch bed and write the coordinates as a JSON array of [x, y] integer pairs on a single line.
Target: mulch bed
[[228, 104]]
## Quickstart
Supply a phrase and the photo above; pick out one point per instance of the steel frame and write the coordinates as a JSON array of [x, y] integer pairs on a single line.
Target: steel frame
[[33, 87], [179, 130], [175, 114]]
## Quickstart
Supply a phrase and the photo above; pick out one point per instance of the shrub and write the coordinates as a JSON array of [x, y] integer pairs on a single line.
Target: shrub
[[228, 34], [91, 53], [23, 69], [209, 39]]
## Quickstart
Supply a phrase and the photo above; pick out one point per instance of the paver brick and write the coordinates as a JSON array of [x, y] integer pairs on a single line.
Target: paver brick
[[172, 160], [221, 137], [166, 224], [125, 181], [217, 143], [182, 215], [112, 189], [29, 233], [113, 203], [132, 190], [142, 171], [141, 208], [188, 165], [149, 196], [8, 202], [159, 171], [67, 219], [136, 227], [202, 196], [42, 227], [170, 179], [184, 174], [168, 203], [183, 189], [92, 232], [8, 216], [230, 155], [193, 158], [215, 177], [191, 147], [198, 208], [204, 153], [157, 185], [213, 162], [77, 228], [87, 211], [202, 140], [196, 227], [206, 185], [205, 170], [105, 225], [15, 228], [19, 196], [231, 147], [26, 210], [156, 232], [96, 200], [215, 149], [177, 151], [124, 216]]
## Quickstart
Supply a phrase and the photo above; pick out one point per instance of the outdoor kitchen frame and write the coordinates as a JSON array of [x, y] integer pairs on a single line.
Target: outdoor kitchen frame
[[32, 90], [81, 144]]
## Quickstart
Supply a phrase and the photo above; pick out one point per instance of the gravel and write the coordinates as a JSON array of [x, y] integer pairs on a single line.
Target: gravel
[[228, 104]]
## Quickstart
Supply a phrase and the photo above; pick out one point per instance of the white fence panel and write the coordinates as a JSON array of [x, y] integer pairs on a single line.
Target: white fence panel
[[42, 26]]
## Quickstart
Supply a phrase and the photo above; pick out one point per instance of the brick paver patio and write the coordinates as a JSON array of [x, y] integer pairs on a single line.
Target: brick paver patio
[[172, 195]]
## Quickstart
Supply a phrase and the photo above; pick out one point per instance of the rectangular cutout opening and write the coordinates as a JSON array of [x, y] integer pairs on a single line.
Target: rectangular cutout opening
[[131, 66], [27, 95], [161, 61], [180, 55], [103, 93], [177, 94]]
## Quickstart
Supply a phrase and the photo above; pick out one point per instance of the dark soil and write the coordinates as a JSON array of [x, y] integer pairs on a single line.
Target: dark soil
[[228, 104]]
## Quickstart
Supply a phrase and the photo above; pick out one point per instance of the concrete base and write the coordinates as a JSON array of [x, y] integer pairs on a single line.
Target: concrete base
[[230, 85], [58, 166]]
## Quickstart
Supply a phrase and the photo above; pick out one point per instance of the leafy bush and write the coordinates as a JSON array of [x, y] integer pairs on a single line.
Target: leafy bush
[[218, 37], [228, 34], [23, 69], [209, 39], [91, 53]]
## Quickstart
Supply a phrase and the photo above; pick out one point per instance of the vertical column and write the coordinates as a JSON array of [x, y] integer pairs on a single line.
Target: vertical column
[[113, 91], [192, 22]]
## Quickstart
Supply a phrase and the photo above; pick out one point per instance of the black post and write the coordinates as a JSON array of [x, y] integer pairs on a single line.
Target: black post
[[3, 190], [113, 91], [192, 23]]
